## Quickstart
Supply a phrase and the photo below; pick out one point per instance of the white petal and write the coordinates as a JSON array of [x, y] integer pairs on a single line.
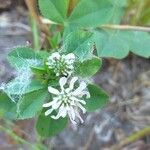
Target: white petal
[[69, 73], [49, 111], [63, 56], [57, 74], [55, 55], [78, 115], [65, 73], [79, 89], [84, 93], [78, 100], [50, 67], [56, 117], [72, 103], [56, 105], [72, 121], [62, 82], [87, 94], [81, 107], [69, 62], [67, 90], [47, 104], [82, 85], [70, 67], [72, 82], [72, 113], [61, 113], [51, 103], [53, 90], [70, 56]]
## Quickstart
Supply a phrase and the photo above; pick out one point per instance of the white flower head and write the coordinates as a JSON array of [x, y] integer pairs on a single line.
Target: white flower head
[[68, 100], [61, 64]]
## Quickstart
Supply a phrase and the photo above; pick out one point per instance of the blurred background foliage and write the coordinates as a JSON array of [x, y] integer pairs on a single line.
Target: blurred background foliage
[[138, 12]]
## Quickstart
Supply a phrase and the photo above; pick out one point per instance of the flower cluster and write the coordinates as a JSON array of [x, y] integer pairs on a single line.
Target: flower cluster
[[67, 101], [62, 65]]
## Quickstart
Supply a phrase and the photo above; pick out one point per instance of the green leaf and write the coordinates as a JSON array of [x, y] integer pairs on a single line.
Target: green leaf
[[5, 102], [117, 44], [117, 11], [23, 52], [89, 67], [140, 43], [7, 107], [69, 29], [46, 126], [43, 54], [24, 57], [122, 3], [35, 85], [38, 69], [79, 43], [15, 87], [55, 40], [98, 98], [55, 10], [11, 113], [99, 11], [31, 104]]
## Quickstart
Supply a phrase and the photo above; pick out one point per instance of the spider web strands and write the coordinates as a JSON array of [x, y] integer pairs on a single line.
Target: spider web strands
[[17, 87], [78, 42]]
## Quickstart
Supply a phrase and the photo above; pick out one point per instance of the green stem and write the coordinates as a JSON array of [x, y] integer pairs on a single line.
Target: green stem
[[35, 34], [15, 137], [9, 124], [132, 138]]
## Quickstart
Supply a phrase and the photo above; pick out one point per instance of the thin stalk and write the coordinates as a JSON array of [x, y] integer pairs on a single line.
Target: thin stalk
[[125, 27], [132, 138], [8, 125], [16, 137], [35, 34]]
